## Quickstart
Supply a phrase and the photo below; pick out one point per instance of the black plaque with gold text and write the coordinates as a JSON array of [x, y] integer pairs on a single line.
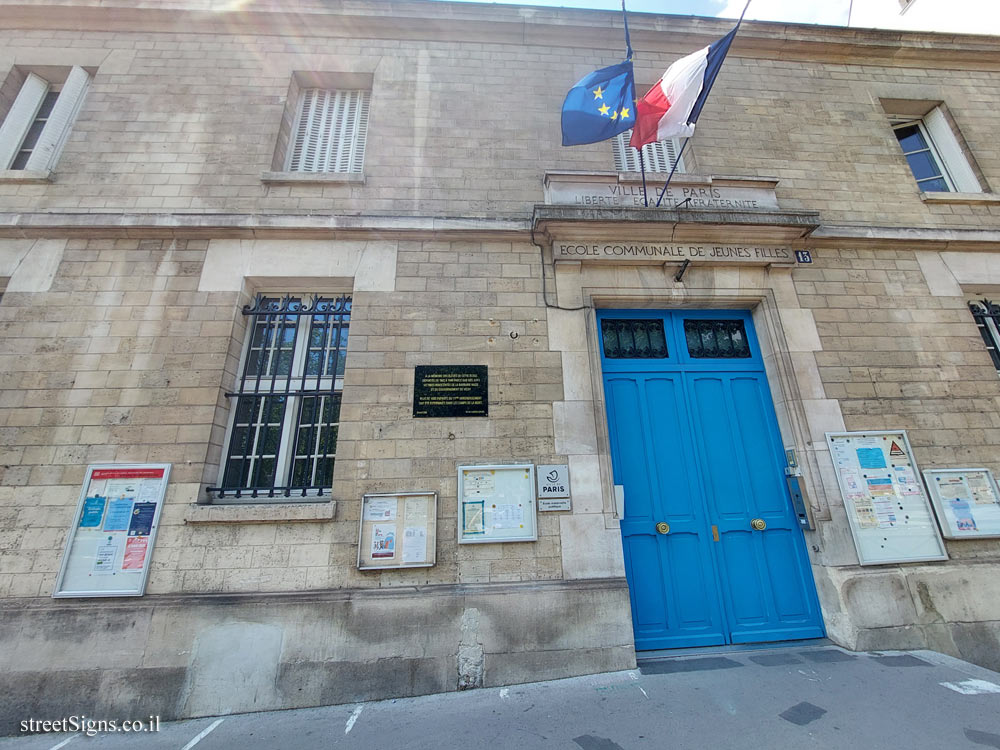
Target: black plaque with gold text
[[450, 391]]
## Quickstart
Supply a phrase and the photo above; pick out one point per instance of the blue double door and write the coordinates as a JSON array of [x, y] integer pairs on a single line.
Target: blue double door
[[713, 551]]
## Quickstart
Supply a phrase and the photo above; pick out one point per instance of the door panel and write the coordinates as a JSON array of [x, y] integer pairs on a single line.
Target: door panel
[[671, 576], [695, 444]]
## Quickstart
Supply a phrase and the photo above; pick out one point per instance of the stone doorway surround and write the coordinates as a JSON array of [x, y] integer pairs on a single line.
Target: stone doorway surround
[[788, 338]]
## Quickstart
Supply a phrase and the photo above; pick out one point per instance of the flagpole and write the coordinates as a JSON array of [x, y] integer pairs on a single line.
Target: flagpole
[[684, 145], [628, 56], [672, 170]]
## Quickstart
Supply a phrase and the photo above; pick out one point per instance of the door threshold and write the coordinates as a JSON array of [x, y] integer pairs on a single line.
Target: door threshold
[[674, 653]]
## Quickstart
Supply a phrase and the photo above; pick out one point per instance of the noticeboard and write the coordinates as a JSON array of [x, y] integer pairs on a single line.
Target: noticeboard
[[111, 541], [889, 514], [496, 504], [397, 530], [967, 502]]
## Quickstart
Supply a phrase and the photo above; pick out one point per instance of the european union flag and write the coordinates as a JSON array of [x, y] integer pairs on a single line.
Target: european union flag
[[599, 106]]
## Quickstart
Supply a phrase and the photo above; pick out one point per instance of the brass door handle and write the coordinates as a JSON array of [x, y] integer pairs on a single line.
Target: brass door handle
[[663, 527], [758, 524]]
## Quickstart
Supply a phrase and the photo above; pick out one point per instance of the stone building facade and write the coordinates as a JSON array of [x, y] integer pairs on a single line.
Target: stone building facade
[[127, 260]]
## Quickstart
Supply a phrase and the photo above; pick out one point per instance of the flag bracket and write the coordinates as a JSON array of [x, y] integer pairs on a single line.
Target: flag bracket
[[680, 272]]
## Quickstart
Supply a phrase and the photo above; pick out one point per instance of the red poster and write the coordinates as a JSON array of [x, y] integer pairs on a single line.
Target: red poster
[[135, 552], [127, 474]]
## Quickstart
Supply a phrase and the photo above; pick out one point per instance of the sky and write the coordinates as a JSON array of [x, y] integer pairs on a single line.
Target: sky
[[950, 16]]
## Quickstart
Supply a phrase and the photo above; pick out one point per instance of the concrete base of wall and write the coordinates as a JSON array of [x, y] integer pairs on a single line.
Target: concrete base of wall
[[188, 656], [943, 607]]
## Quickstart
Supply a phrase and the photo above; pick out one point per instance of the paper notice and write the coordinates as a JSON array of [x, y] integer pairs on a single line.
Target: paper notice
[[881, 487], [479, 483], [472, 518], [416, 511], [135, 552], [908, 482], [871, 458], [979, 485], [93, 513], [104, 560], [864, 509], [149, 491], [380, 509], [119, 515], [384, 540], [852, 481], [508, 516], [141, 523], [414, 544], [122, 488]]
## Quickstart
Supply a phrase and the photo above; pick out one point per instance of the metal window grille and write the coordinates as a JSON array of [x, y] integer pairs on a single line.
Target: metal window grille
[[286, 406], [658, 156], [330, 132], [987, 317]]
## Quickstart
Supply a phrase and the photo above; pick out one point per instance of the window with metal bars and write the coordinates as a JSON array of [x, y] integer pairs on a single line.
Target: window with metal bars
[[658, 156], [285, 410], [987, 317], [330, 131]]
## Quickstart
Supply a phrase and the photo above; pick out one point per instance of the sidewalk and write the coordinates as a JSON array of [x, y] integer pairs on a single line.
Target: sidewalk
[[795, 697]]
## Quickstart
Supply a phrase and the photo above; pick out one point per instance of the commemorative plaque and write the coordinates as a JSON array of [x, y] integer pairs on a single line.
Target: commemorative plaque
[[450, 391]]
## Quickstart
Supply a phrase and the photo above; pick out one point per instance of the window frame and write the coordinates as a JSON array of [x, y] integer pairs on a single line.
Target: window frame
[[291, 387], [897, 125], [953, 159], [17, 123]]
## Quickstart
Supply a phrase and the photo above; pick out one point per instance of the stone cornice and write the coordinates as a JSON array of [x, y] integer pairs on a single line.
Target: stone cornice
[[802, 228], [407, 20]]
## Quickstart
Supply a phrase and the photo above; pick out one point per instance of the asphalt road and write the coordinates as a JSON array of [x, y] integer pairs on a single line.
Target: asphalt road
[[796, 698]]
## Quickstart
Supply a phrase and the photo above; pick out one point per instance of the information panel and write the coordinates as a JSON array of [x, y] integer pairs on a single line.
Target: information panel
[[496, 504], [450, 391], [889, 514], [967, 502], [111, 541], [398, 531]]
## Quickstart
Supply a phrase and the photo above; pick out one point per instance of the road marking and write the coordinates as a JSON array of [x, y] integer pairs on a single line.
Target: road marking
[[504, 692], [202, 735], [642, 691], [354, 717], [65, 741], [972, 687]]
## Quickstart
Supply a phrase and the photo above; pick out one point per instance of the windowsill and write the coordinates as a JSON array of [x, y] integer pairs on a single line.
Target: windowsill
[[943, 197], [307, 178], [25, 175], [302, 512]]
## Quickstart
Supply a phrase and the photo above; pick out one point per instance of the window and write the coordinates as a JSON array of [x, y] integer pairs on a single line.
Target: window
[[285, 411], [934, 154], [39, 121], [658, 156], [987, 317], [330, 131]]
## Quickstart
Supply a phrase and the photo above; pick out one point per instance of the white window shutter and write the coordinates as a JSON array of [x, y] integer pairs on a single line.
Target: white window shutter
[[21, 115], [658, 156], [60, 122], [951, 152], [330, 132]]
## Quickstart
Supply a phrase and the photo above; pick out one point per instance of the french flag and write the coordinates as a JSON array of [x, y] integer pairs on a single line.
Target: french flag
[[671, 108]]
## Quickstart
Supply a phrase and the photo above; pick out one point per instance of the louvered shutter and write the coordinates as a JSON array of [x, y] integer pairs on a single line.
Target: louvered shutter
[[57, 128], [659, 156], [951, 152], [331, 131], [20, 117]]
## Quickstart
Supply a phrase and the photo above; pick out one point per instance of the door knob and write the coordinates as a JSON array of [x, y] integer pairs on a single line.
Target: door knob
[[663, 527], [758, 524]]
